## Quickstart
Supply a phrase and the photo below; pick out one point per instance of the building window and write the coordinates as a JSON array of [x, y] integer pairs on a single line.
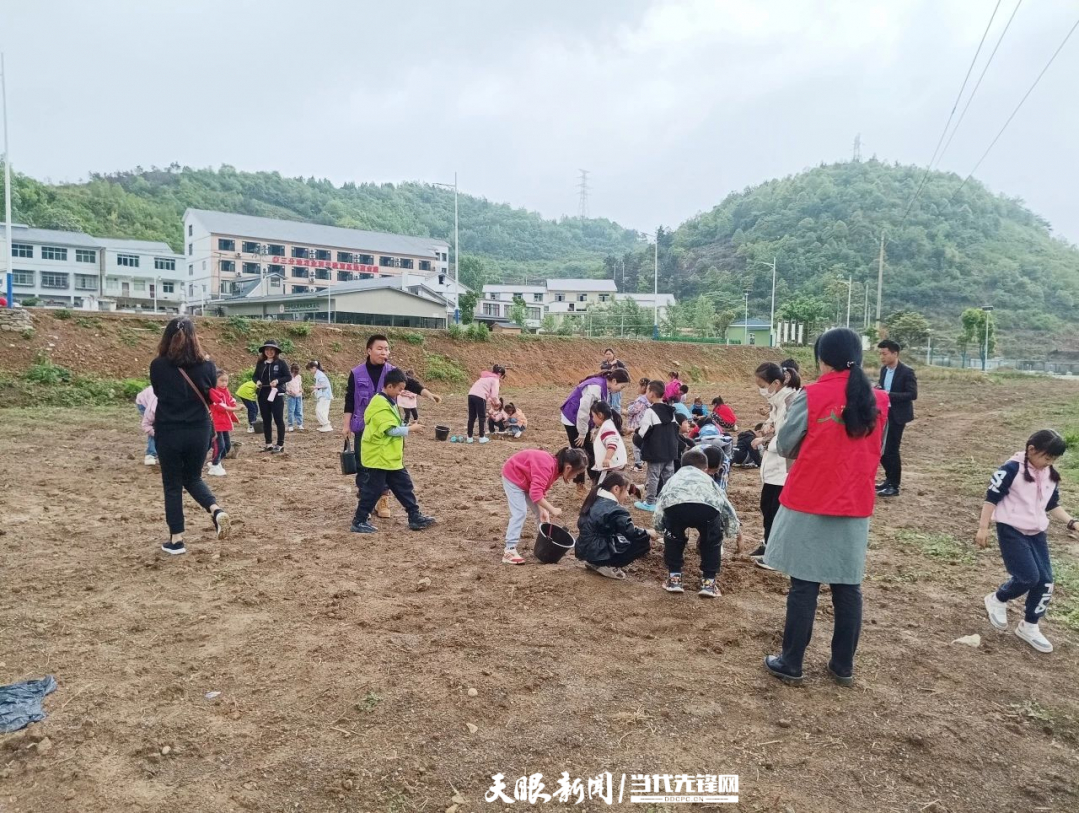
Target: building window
[[299, 251], [275, 282], [299, 289], [53, 279], [191, 290], [344, 276], [582, 297], [322, 273], [191, 270], [405, 263], [559, 297], [276, 249], [276, 269], [425, 265], [22, 279], [227, 266], [571, 307], [490, 309], [386, 262], [22, 250], [163, 264], [322, 254], [85, 282], [604, 297], [84, 255], [534, 313], [168, 287], [129, 260], [344, 256], [250, 248], [190, 249], [537, 297], [299, 273], [53, 253], [365, 259], [251, 268], [190, 230], [752, 338], [444, 257], [225, 245], [139, 285]]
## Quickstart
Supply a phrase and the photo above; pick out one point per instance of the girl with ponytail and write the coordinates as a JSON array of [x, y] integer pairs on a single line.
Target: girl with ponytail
[[833, 431], [608, 539]]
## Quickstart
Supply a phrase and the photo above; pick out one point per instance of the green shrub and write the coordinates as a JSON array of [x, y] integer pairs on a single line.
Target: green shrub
[[31, 301], [88, 322], [131, 387], [440, 368], [128, 338], [241, 325], [299, 329], [476, 332], [43, 371], [27, 333], [413, 338], [336, 347], [241, 377], [62, 314], [286, 346], [455, 331]]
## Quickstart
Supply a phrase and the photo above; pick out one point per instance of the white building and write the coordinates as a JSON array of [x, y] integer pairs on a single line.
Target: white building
[[559, 296], [75, 270], [437, 284], [222, 250], [648, 302], [497, 302], [575, 295]]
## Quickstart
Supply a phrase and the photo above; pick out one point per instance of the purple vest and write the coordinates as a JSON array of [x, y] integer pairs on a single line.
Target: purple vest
[[363, 391], [573, 403]]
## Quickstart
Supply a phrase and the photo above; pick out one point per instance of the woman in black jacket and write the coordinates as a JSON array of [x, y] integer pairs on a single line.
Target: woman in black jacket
[[182, 378], [271, 375], [608, 538]]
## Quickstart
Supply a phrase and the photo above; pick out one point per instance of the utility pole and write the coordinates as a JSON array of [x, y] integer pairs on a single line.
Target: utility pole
[[746, 323], [858, 147], [655, 293], [772, 319], [8, 275], [850, 288], [880, 279], [865, 307], [582, 204]]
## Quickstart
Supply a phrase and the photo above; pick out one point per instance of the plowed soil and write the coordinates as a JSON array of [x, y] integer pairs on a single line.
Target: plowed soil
[[299, 667]]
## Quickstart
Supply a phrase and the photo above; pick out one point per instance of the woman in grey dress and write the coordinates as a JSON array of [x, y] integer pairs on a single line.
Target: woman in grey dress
[[834, 431]]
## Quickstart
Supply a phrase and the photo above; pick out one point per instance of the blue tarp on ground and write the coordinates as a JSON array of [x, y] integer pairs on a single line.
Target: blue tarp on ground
[[20, 703]]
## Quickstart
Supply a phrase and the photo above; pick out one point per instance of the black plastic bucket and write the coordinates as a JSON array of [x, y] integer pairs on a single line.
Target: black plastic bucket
[[552, 542], [442, 432]]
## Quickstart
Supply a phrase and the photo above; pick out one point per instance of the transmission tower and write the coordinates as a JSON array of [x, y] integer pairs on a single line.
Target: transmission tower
[[582, 206], [858, 147]]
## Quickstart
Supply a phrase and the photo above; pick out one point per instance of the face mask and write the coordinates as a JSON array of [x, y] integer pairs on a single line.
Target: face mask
[[765, 393]]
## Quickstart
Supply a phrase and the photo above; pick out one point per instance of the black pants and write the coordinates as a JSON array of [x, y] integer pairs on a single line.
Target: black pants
[[378, 480], [572, 434], [477, 411], [410, 411], [252, 411], [274, 409], [769, 507], [802, 609], [222, 444], [635, 551], [702, 518], [492, 425], [893, 466], [181, 452], [745, 455]]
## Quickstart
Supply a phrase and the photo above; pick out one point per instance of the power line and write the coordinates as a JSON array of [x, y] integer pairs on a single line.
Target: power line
[[1021, 101], [974, 92], [947, 124]]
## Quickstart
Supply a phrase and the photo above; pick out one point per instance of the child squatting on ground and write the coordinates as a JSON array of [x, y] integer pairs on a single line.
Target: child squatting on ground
[[382, 451], [516, 422], [692, 499], [527, 476], [608, 539], [1021, 494]]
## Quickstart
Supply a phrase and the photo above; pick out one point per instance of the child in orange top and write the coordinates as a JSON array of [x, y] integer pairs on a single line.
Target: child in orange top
[[516, 422], [223, 408]]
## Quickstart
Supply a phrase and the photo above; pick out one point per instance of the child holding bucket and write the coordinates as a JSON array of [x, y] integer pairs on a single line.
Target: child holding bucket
[[527, 476], [608, 538]]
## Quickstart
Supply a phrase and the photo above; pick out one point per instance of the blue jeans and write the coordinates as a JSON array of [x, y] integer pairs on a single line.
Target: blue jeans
[[252, 411], [295, 410], [151, 444], [1027, 561], [615, 400]]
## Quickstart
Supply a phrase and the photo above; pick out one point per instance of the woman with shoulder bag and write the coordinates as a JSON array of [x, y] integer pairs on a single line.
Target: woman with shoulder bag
[[182, 377]]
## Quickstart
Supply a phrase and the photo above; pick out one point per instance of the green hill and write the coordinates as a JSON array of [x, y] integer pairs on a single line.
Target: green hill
[[148, 204]]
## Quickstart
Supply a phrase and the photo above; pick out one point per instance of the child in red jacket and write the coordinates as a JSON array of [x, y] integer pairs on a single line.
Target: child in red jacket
[[222, 409]]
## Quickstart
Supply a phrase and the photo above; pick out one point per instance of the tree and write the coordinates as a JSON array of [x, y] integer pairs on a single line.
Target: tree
[[518, 312], [549, 323], [673, 319], [723, 320], [908, 328], [467, 303], [973, 335], [809, 310], [704, 316]]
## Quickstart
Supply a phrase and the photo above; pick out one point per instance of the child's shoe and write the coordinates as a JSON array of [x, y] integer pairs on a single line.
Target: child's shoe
[[300, 427], [363, 528], [641, 505], [418, 522], [382, 507], [709, 589], [216, 471], [277, 450], [469, 440], [1033, 636], [250, 430], [606, 570], [291, 428], [174, 548], [998, 611], [510, 556], [484, 439], [673, 583], [149, 460], [222, 524], [269, 447], [775, 666]]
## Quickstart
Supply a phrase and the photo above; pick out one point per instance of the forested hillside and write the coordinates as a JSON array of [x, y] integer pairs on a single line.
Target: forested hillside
[[148, 204]]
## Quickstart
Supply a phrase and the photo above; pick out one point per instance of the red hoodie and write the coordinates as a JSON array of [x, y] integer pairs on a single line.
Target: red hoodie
[[224, 420]]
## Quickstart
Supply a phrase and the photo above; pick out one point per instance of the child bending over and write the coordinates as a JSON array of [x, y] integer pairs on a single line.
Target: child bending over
[[608, 538]]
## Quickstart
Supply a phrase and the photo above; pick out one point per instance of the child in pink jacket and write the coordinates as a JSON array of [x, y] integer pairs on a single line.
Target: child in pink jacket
[[484, 393]]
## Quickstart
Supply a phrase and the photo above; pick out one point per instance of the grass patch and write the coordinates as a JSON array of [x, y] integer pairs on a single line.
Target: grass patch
[[1065, 604], [943, 547], [239, 325], [286, 346], [441, 368], [335, 347], [299, 329], [63, 314], [128, 338], [88, 322], [413, 338], [80, 391], [43, 371]]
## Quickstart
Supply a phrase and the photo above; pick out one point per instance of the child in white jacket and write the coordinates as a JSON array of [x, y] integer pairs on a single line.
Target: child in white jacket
[[608, 448]]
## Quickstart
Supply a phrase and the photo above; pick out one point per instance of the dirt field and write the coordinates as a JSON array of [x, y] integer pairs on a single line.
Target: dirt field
[[344, 684]]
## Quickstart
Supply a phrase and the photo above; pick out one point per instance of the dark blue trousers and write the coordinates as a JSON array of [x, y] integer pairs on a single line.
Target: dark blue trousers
[[1026, 559]]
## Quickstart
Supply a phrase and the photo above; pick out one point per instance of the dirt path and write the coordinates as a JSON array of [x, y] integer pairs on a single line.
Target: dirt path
[[343, 686]]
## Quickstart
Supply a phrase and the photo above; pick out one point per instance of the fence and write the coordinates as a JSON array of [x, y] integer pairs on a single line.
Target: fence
[[1022, 365]]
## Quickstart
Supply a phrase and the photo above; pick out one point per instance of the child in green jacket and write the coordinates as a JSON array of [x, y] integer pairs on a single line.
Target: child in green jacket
[[382, 450]]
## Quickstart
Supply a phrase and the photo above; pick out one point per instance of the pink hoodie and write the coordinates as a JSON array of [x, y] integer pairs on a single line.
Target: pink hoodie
[[1025, 504], [486, 387]]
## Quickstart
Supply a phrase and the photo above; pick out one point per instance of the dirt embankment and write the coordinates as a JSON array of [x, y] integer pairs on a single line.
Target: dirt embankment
[[122, 345]]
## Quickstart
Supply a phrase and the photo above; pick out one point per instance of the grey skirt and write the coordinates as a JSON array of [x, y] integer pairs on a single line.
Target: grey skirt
[[817, 548]]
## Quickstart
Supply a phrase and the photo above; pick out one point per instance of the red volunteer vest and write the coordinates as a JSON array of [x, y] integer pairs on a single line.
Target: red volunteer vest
[[834, 473]]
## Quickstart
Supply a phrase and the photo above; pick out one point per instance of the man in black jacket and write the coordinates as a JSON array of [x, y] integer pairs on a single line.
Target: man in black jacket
[[898, 380]]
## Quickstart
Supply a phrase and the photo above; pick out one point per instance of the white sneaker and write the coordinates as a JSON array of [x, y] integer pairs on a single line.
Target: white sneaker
[[998, 611], [469, 440], [1033, 636], [325, 429], [291, 428], [482, 440], [300, 427], [150, 460], [250, 430], [216, 471]]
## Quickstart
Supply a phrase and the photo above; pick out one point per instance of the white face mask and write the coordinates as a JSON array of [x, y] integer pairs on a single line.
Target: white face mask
[[764, 391]]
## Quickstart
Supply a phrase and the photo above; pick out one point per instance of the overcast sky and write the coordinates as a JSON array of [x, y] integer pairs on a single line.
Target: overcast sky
[[670, 104]]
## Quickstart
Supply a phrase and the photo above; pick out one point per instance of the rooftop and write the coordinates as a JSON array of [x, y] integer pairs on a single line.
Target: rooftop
[[356, 286], [293, 231], [754, 324], [514, 289], [595, 285], [134, 245], [662, 299], [28, 234]]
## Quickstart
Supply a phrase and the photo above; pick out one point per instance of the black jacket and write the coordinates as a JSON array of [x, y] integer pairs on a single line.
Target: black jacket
[[903, 395], [267, 371], [606, 530], [660, 445], [177, 404]]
